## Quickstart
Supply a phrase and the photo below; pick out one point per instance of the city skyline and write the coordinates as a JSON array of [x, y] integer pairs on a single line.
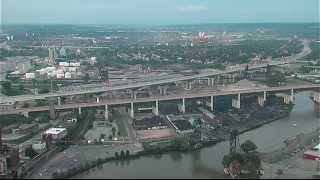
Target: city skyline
[[157, 12]]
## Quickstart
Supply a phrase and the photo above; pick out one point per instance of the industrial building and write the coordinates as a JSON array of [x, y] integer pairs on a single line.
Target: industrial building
[[56, 133], [155, 122]]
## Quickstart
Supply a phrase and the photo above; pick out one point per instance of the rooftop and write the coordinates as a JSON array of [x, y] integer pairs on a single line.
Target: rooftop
[[182, 124], [55, 130]]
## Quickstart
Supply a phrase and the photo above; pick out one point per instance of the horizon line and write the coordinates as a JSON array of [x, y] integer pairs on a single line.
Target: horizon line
[[179, 24]]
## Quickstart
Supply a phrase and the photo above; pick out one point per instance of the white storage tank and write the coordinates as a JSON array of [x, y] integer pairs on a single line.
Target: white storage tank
[[60, 75], [67, 75], [30, 75], [52, 74]]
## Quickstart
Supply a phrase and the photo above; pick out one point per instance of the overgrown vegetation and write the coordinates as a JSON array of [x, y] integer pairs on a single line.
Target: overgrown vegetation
[[6, 120]]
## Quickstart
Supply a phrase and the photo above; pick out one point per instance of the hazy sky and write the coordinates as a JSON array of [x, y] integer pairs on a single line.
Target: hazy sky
[[158, 11]]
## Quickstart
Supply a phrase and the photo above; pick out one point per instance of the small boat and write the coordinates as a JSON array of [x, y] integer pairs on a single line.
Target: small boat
[[294, 125]]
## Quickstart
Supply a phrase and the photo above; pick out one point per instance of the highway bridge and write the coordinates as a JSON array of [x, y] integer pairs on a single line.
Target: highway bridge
[[165, 80], [235, 93]]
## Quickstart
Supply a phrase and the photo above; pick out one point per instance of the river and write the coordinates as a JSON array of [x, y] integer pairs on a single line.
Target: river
[[206, 162]]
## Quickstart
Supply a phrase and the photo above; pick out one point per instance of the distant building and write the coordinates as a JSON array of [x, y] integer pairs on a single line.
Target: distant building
[[5, 106], [62, 52]]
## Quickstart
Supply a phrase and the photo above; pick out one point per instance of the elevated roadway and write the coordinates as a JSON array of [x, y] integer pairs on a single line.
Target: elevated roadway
[[165, 98], [133, 85]]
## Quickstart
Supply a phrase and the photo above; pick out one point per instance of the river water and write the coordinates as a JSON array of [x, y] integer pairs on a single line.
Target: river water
[[206, 163]]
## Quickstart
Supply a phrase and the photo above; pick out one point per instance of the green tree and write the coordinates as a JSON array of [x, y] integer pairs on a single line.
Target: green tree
[[6, 87], [116, 154], [248, 146], [276, 78], [113, 129], [86, 77], [122, 154]]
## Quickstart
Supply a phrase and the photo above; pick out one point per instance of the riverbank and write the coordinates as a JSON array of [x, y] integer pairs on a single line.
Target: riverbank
[[170, 147], [288, 162], [204, 163], [78, 159], [300, 143]]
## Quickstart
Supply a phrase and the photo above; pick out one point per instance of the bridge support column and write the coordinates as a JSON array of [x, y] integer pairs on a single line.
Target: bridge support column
[[212, 82], [211, 103], [36, 91], [189, 84], [236, 102], [287, 99], [133, 94], [163, 90], [106, 112], [59, 101], [316, 97], [98, 99], [80, 110], [292, 96], [182, 107], [160, 89], [155, 109], [52, 113], [25, 114], [262, 99], [131, 112], [316, 100]]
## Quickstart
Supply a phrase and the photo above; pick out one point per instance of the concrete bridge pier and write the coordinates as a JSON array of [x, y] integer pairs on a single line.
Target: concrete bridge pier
[[287, 99], [262, 99], [163, 90], [155, 109], [80, 110], [211, 82], [292, 95], [182, 107], [36, 91], [131, 111], [97, 99], [133, 94], [26, 114], [106, 112], [187, 85], [316, 100], [211, 103], [59, 101], [52, 113], [236, 102], [316, 97]]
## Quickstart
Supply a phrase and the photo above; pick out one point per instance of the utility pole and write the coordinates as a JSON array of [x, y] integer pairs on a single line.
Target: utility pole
[[234, 140]]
